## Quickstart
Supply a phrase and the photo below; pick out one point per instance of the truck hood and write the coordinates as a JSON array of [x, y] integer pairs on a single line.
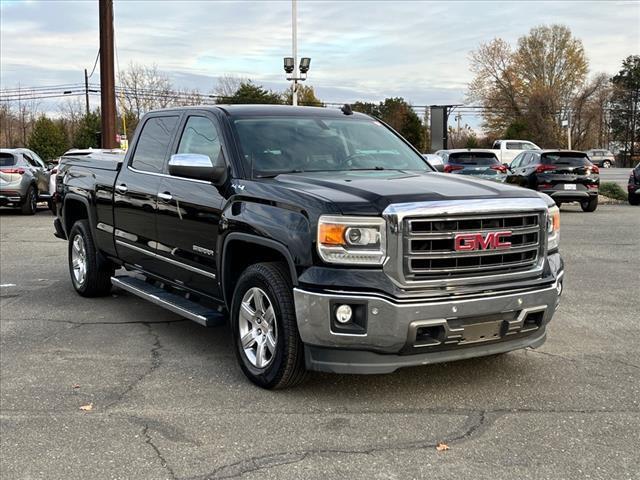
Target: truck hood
[[370, 192]]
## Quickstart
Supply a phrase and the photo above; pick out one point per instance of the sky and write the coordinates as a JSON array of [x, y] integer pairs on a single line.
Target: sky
[[360, 50]]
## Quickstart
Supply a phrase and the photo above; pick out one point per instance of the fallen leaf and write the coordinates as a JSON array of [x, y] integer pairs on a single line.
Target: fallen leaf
[[89, 407], [75, 385], [441, 447]]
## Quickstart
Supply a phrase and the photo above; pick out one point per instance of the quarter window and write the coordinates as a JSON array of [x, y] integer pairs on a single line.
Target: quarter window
[[153, 144], [200, 136]]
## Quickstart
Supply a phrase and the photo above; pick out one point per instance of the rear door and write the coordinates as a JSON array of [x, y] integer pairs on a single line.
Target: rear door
[[512, 149], [136, 192], [38, 169], [189, 211]]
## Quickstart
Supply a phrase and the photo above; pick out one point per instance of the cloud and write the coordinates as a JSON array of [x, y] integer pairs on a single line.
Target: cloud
[[368, 50]]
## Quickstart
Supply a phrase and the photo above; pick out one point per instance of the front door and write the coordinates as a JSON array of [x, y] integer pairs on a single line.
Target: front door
[[189, 212], [136, 192]]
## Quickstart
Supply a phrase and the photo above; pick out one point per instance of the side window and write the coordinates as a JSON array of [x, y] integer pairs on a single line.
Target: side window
[[514, 146], [153, 144], [29, 160], [37, 159], [516, 161], [201, 136]]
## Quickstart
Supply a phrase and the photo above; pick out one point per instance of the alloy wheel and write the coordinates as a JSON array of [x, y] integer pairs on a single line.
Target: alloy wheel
[[79, 260], [258, 328]]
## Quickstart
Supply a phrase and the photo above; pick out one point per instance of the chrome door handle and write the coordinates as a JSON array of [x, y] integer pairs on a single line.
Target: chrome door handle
[[122, 188], [166, 196]]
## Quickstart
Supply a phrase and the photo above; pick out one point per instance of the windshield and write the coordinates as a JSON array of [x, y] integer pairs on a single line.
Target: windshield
[[572, 159], [473, 158], [273, 145]]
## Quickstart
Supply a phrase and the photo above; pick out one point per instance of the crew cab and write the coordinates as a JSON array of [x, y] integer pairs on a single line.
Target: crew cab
[[507, 150], [321, 236]]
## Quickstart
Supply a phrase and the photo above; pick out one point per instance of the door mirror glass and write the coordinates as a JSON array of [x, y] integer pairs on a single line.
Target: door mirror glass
[[198, 167]]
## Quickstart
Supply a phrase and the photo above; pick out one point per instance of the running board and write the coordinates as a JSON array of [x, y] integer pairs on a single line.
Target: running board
[[175, 303]]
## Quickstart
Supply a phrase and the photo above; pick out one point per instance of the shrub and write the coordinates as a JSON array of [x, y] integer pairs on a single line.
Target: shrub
[[613, 190]]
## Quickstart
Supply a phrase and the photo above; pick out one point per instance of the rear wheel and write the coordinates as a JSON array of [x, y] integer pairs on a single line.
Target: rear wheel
[[634, 199], [606, 164], [589, 205], [90, 273], [30, 204], [264, 327]]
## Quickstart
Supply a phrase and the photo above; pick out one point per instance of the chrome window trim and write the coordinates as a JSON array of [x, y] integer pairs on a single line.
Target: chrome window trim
[[168, 260], [143, 172], [395, 215]]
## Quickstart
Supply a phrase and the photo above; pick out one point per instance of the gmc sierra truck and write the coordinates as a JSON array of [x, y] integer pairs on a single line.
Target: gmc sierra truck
[[321, 236]]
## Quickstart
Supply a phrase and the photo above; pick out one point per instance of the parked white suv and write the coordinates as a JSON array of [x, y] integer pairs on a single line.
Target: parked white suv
[[507, 150]]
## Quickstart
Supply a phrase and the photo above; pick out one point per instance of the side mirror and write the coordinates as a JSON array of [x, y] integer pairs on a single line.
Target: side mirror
[[198, 167], [507, 165]]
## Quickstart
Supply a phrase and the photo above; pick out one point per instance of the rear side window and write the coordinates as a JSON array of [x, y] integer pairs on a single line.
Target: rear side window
[[201, 136], [473, 158], [572, 159], [153, 144], [514, 146], [7, 160]]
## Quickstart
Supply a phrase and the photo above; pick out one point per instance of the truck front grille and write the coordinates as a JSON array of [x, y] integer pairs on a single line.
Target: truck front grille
[[429, 245]]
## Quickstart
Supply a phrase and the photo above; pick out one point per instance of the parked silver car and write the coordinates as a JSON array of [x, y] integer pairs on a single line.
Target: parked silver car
[[601, 158], [24, 180]]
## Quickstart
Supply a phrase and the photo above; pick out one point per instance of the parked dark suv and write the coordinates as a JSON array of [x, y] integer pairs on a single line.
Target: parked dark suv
[[565, 175], [634, 186]]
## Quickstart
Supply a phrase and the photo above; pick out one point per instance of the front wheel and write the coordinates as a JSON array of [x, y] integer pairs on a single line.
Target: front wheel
[[606, 164], [589, 205], [90, 273], [634, 199], [264, 328]]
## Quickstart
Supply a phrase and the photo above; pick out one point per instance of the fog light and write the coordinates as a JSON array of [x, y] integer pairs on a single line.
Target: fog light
[[343, 314]]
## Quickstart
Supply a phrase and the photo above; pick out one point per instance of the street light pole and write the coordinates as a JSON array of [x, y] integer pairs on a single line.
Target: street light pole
[[294, 35]]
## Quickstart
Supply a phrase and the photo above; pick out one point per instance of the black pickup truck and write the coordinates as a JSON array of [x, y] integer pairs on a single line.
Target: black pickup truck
[[321, 236]]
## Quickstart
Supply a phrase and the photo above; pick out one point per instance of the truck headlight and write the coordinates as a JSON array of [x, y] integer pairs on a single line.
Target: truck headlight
[[553, 228], [352, 240]]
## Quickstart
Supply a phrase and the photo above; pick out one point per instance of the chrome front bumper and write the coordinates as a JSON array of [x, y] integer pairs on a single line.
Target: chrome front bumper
[[403, 334]]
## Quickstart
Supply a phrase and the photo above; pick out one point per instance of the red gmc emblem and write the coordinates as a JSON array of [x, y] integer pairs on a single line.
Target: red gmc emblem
[[466, 242]]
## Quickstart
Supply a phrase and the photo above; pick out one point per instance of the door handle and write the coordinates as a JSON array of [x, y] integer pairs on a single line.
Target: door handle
[[166, 196], [122, 188]]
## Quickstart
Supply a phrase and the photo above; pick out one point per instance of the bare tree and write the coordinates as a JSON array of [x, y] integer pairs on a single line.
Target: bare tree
[[228, 85], [144, 88]]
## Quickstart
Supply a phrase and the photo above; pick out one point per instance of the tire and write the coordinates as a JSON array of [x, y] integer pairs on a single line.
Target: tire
[[51, 206], [281, 364], [634, 199], [90, 273], [30, 204], [606, 164], [589, 205]]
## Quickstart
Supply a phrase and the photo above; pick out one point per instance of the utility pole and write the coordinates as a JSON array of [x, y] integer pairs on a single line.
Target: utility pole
[[86, 92], [107, 79], [294, 35]]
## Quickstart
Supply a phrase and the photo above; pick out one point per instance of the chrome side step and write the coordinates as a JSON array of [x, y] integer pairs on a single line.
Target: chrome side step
[[175, 303]]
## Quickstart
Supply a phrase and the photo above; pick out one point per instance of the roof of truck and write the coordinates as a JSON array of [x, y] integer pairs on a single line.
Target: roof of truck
[[272, 110]]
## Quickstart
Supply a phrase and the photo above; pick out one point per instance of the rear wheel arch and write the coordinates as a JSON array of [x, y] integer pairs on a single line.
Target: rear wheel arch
[[75, 208], [241, 250]]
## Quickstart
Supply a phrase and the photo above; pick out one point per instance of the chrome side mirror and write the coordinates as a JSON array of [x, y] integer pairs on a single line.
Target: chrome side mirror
[[198, 167]]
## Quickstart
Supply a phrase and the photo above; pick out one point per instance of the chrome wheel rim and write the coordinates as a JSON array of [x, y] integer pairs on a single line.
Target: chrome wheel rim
[[79, 260], [258, 328]]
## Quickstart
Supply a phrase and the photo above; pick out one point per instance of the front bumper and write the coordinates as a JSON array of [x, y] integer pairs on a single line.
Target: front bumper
[[398, 335]]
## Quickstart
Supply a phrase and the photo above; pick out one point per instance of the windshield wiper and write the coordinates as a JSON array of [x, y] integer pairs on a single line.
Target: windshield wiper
[[370, 168]]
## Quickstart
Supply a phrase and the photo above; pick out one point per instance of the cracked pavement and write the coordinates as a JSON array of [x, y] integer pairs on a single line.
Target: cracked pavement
[[169, 401]]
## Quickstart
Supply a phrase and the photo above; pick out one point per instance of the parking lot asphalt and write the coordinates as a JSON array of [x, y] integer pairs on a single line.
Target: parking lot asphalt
[[617, 175], [168, 400]]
